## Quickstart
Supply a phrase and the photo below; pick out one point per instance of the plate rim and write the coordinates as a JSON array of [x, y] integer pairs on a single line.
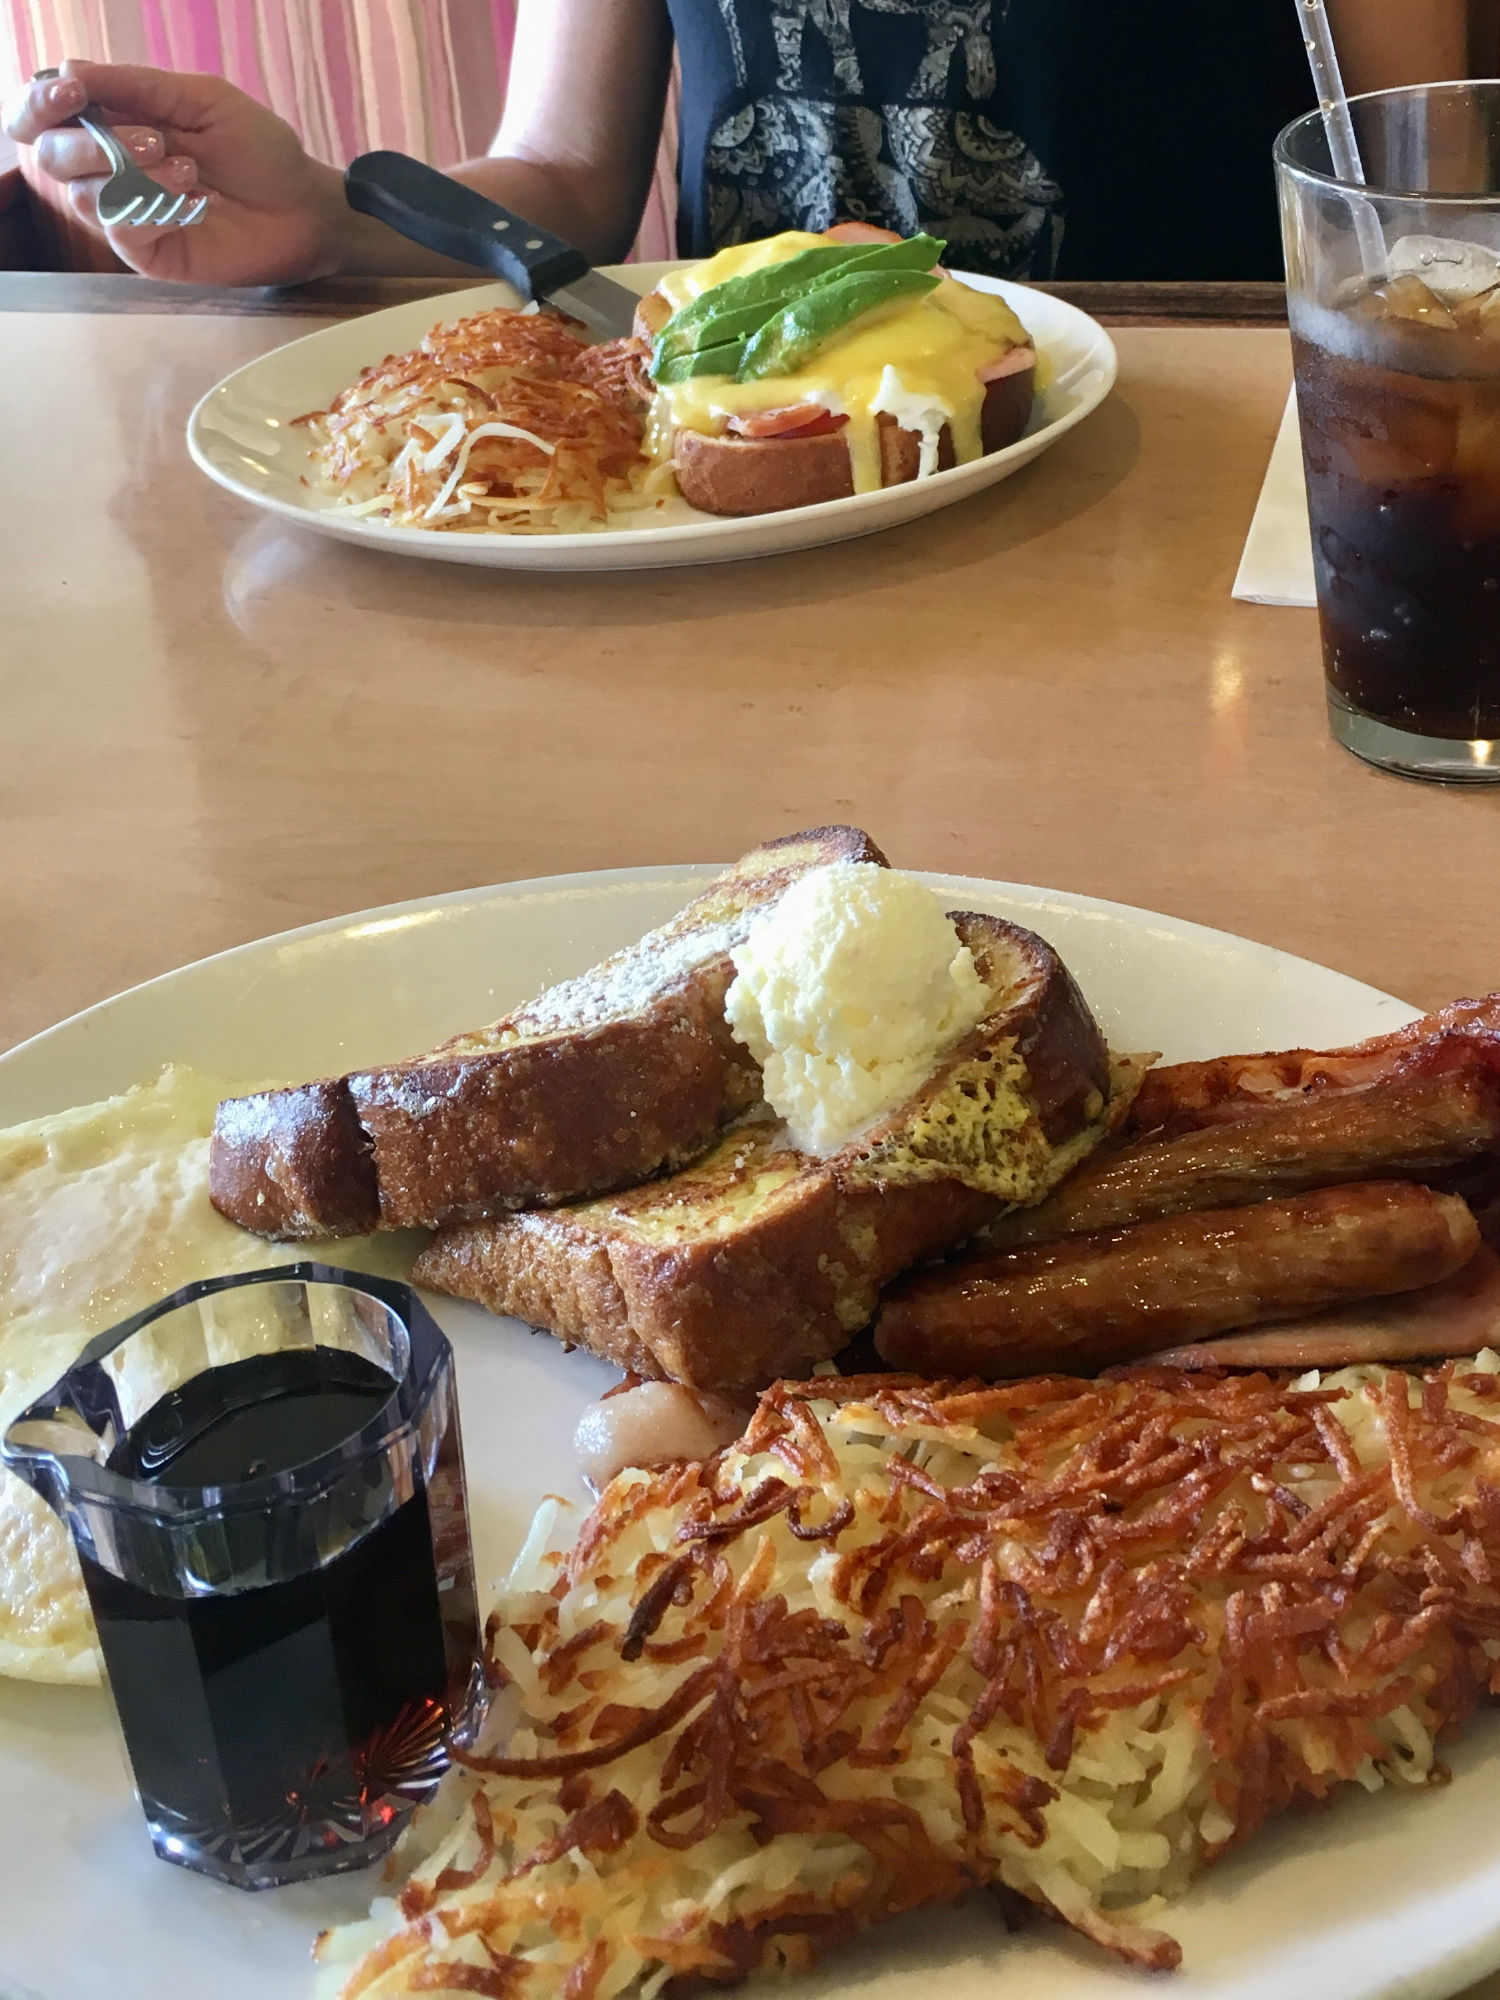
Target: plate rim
[[694, 535], [649, 874]]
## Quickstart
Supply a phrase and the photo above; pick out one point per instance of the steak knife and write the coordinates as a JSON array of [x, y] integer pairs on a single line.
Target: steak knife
[[447, 216]]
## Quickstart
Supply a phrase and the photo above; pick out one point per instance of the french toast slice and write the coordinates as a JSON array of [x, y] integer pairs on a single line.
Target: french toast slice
[[595, 1084], [759, 1261]]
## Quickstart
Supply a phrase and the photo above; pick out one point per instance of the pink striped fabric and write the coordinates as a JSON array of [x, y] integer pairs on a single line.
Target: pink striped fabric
[[425, 77]]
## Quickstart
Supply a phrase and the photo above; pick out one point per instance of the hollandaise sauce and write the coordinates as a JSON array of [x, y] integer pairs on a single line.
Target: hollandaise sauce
[[921, 360]]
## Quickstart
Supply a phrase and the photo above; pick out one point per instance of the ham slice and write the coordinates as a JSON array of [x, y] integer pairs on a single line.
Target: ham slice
[[804, 420], [861, 232], [1458, 1316], [1014, 363]]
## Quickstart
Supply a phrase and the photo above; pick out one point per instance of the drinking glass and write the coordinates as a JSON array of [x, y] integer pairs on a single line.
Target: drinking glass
[[1396, 350], [263, 1477]]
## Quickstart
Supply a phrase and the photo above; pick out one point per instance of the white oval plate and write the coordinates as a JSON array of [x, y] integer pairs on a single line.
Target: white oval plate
[[241, 435], [1374, 1898]]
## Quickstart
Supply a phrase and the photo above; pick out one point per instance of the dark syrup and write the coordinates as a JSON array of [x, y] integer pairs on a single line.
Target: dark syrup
[[284, 1719]]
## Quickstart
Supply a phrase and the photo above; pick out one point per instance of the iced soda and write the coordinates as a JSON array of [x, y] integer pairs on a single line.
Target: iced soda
[[1398, 390]]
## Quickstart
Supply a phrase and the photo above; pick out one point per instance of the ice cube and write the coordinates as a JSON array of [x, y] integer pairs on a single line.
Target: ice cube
[[1476, 453], [1393, 428], [1481, 314], [1406, 298], [1446, 265]]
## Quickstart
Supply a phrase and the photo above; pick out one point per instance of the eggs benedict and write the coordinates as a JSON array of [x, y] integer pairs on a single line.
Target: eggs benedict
[[809, 367]]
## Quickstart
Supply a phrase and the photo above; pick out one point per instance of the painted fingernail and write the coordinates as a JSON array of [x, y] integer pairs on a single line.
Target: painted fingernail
[[66, 94], [147, 147], [179, 169]]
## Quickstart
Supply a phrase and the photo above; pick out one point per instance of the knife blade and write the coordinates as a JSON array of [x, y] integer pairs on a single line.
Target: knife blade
[[455, 220]]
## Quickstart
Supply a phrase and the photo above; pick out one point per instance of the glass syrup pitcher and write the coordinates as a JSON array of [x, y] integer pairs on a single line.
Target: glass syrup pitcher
[[264, 1481]]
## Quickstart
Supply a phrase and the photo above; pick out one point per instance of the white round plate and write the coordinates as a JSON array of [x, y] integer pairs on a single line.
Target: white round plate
[[242, 435], [1376, 1897]]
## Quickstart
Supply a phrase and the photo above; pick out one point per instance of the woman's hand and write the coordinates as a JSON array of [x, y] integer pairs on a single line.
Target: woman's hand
[[274, 214]]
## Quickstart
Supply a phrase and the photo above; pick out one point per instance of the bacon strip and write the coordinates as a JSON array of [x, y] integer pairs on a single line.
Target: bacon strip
[[1182, 1097]]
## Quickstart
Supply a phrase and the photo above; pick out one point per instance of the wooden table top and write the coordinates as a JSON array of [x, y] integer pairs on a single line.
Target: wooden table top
[[217, 727], [221, 727]]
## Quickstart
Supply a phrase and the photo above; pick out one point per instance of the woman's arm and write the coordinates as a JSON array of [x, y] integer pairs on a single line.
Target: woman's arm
[[583, 116], [577, 145], [1386, 42]]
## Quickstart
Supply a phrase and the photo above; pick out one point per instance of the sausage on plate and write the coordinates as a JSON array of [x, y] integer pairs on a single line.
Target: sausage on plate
[[1454, 1318], [1078, 1306], [1415, 1128]]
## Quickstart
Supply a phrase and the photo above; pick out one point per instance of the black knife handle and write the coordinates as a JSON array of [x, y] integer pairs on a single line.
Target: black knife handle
[[443, 214]]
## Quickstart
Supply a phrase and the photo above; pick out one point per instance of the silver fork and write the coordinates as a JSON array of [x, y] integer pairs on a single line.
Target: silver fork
[[129, 195]]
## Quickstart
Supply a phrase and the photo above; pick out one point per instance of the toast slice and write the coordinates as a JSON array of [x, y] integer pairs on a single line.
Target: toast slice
[[595, 1084], [727, 474], [759, 1261]]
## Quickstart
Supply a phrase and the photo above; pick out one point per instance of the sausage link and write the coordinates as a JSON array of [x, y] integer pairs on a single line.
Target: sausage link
[[1078, 1306], [1413, 1129]]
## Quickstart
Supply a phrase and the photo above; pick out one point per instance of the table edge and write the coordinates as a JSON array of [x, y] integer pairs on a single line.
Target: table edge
[[1195, 302]]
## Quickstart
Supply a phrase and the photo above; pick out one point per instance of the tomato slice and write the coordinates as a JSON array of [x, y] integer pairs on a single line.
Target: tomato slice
[[799, 422]]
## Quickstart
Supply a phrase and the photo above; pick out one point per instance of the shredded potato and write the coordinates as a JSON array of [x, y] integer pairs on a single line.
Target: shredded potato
[[507, 422], [906, 1639]]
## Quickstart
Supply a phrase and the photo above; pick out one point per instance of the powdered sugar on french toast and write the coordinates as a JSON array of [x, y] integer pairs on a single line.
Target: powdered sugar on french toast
[[628, 982]]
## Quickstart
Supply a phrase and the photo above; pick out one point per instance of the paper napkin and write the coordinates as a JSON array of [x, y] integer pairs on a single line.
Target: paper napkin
[[1276, 567]]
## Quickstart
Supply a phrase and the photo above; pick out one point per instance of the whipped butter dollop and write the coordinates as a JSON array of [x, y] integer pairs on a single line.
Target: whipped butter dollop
[[847, 992]]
